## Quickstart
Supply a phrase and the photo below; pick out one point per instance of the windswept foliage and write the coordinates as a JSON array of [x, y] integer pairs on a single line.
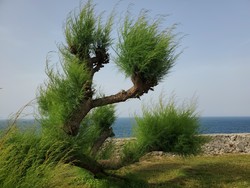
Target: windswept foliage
[[63, 92], [87, 40], [165, 127], [85, 32], [29, 160], [144, 50], [169, 128]]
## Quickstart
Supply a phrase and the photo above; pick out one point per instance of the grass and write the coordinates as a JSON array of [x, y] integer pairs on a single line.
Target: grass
[[29, 161], [200, 171]]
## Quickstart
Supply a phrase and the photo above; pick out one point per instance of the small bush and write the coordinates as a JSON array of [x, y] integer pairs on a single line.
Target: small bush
[[165, 127], [169, 128]]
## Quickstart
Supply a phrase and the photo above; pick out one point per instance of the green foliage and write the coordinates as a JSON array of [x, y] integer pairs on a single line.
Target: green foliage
[[65, 88], [102, 117], [62, 92], [97, 121], [28, 160], [168, 128], [144, 49], [85, 31]]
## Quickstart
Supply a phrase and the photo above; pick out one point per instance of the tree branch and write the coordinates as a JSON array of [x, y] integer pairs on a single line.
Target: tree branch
[[138, 89], [71, 127], [122, 96]]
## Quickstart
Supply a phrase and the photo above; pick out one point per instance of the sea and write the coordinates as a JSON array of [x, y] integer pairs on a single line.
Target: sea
[[123, 127]]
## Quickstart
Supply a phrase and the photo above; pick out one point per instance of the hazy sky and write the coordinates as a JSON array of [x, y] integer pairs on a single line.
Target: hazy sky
[[214, 67]]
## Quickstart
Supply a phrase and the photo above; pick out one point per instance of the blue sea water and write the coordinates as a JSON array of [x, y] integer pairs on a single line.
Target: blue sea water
[[208, 125], [211, 125]]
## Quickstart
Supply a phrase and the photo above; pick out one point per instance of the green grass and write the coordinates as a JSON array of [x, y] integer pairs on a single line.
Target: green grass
[[200, 171], [29, 161]]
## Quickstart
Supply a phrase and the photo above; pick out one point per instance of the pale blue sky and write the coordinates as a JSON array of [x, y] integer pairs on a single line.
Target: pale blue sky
[[215, 64]]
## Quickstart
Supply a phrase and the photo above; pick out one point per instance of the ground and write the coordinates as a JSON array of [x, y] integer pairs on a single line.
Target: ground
[[232, 170]]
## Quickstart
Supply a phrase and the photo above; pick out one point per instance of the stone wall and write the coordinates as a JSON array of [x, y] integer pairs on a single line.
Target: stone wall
[[218, 144], [227, 143]]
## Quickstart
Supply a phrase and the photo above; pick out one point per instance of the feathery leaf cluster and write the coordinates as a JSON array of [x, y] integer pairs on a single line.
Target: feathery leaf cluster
[[169, 128], [165, 127], [85, 32], [144, 49], [62, 92]]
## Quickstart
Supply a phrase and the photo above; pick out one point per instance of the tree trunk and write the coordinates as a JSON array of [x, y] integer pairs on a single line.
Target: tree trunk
[[100, 140], [84, 161], [71, 127]]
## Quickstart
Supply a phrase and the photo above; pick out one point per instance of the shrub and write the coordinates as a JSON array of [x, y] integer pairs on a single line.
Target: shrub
[[169, 128], [165, 127]]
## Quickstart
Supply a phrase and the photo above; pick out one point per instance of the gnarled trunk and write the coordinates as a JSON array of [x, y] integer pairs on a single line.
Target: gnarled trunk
[[84, 161], [100, 140]]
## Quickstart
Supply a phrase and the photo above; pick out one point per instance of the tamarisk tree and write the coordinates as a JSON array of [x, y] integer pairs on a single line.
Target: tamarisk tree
[[143, 52]]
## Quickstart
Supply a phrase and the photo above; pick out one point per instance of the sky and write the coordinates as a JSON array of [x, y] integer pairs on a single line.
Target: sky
[[214, 66]]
